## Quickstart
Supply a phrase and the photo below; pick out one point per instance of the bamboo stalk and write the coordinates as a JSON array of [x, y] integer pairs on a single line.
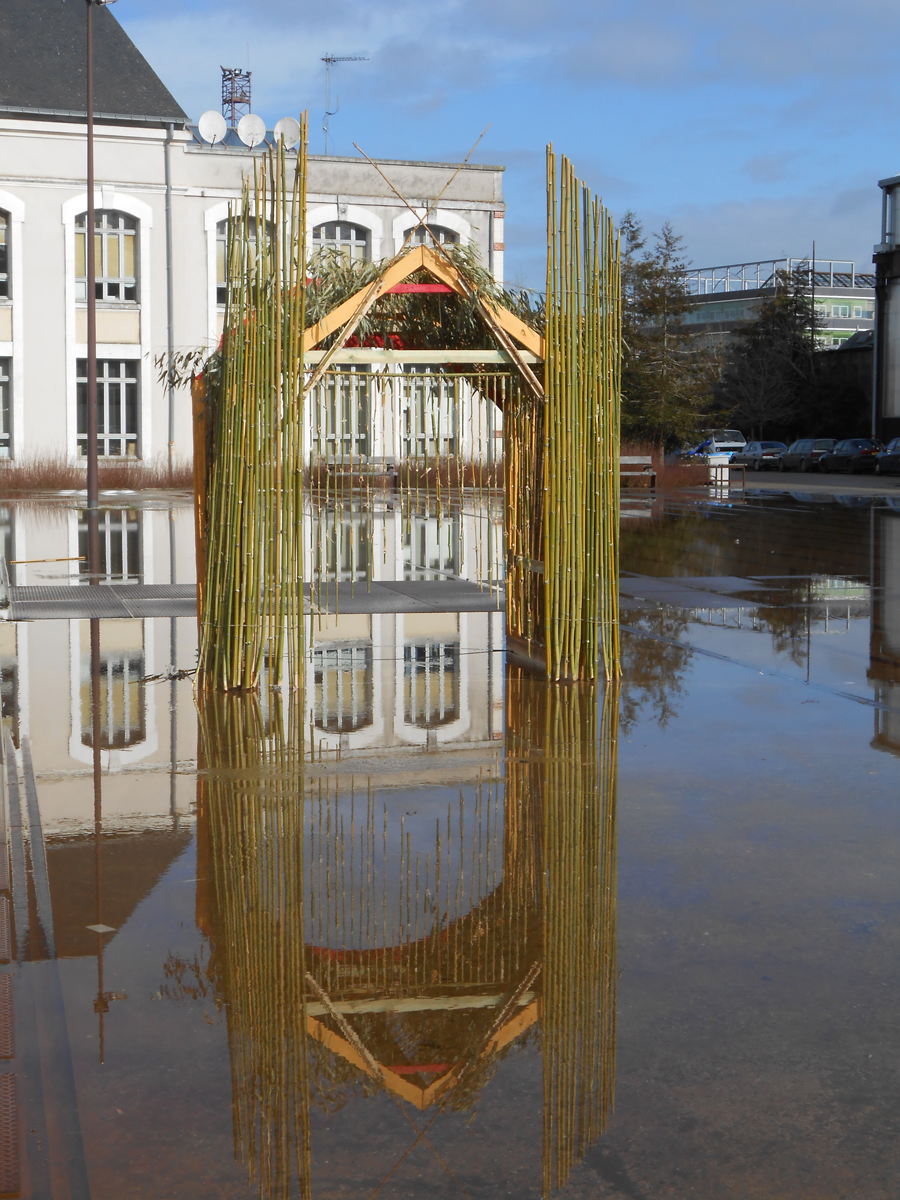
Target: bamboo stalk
[[252, 598]]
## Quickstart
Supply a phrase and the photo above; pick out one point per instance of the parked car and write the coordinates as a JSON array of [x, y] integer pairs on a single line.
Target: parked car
[[722, 441], [888, 461], [804, 455], [853, 454], [759, 455]]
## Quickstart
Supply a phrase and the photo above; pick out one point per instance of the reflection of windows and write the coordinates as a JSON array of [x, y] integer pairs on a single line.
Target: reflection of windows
[[5, 367], [117, 407], [114, 256], [9, 697], [7, 550], [428, 411], [434, 233], [840, 310], [430, 547], [120, 545], [351, 241], [4, 255], [341, 414], [9, 680], [431, 683], [342, 545], [343, 682], [122, 700]]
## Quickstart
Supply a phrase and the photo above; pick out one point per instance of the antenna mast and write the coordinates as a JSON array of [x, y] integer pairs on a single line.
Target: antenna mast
[[328, 60], [235, 94]]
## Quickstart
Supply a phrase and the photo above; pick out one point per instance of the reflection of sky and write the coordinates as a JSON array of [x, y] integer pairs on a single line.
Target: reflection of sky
[[391, 845]]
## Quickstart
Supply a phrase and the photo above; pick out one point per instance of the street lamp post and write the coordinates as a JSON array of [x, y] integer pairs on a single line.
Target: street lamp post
[[93, 478]]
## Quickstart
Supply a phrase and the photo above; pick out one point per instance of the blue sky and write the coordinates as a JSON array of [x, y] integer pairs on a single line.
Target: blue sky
[[754, 128]]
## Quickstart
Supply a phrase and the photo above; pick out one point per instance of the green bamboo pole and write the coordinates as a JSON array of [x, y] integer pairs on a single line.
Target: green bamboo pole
[[252, 616]]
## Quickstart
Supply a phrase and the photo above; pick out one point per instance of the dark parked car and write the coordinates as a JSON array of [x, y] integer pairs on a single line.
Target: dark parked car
[[804, 455], [888, 461], [853, 454], [759, 455]]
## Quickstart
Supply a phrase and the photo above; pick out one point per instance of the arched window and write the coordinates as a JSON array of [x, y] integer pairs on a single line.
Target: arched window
[[115, 256], [343, 688], [351, 241], [431, 684], [120, 545], [123, 702], [221, 255], [434, 233], [4, 255], [430, 547], [342, 545]]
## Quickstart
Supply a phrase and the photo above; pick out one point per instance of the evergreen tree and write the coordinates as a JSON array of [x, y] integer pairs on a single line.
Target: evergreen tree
[[666, 372], [769, 372]]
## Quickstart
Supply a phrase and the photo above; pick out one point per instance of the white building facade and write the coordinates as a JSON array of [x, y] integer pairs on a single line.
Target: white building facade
[[162, 200]]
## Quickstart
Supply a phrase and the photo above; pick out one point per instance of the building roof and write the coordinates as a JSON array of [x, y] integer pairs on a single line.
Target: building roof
[[43, 72]]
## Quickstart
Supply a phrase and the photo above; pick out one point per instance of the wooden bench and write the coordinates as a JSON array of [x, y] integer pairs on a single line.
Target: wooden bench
[[636, 470]]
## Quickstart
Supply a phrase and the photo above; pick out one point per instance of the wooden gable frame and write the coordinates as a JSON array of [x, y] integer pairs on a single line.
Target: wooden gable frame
[[420, 1097], [504, 325]]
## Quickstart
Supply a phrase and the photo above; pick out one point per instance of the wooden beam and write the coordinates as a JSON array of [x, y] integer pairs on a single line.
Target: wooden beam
[[395, 273], [338, 1045], [447, 273], [444, 270], [374, 354]]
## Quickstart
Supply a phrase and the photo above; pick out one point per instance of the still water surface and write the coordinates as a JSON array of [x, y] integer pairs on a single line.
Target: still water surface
[[495, 938]]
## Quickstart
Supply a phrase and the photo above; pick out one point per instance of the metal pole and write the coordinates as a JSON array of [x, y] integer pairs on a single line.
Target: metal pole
[[93, 483], [170, 303]]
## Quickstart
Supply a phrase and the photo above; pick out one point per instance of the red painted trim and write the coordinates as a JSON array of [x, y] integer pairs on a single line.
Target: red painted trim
[[419, 287], [426, 1069]]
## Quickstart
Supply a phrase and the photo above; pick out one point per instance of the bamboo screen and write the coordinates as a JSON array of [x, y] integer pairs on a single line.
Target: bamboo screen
[[561, 781], [252, 599], [562, 451], [253, 805]]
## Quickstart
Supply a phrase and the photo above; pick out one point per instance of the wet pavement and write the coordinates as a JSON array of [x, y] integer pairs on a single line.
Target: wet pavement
[[435, 928]]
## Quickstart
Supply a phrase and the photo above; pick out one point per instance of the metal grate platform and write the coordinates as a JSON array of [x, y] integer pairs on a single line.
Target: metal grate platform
[[180, 599], [116, 600], [5, 939], [7, 1037], [9, 1136]]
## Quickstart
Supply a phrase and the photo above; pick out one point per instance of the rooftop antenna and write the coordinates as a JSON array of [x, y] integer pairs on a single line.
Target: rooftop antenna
[[235, 94], [328, 60]]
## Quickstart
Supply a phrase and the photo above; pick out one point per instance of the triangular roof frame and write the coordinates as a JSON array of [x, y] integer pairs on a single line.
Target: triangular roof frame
[[419, 1097], [507, 328]]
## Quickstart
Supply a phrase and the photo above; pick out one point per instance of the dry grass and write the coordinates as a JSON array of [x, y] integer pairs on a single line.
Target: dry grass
[[669, 476], [54, 473]]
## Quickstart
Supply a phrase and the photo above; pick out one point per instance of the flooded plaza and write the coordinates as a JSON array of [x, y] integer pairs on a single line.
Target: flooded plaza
[[433, 926]]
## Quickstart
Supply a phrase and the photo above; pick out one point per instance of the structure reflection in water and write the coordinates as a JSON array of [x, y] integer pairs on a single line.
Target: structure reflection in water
[[384, 933]]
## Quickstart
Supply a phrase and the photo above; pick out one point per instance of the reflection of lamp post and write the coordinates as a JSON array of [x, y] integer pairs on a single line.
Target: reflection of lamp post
[[93, 483]]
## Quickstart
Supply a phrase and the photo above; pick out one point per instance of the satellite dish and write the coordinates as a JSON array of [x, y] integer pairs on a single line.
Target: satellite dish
[[288, 129], [251, 130], [212, 127]]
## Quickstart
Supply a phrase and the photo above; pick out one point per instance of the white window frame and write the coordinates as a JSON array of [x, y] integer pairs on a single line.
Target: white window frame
[[439, 216], [108, 198], [417, 734], [15, 350], [111, 760], [103, 381], [107, 232], [353, 214]]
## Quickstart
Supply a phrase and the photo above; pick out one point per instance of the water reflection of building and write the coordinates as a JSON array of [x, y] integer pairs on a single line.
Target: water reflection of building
[[142, 727], [397, 931], [400, 680], [884, 647]]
